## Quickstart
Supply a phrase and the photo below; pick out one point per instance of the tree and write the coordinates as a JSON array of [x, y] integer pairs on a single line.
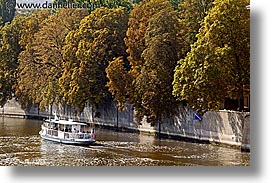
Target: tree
[[176, 3], [161, 52], [218, 64], [42, 61], [7, 10], [119, 80], [153, 46], [26, 72], [192, 13], [135, 43], [89, 49], [9, 51], [138, 23]]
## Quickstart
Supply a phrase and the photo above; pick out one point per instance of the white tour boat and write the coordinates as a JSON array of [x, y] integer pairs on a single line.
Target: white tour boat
[[67, 132]]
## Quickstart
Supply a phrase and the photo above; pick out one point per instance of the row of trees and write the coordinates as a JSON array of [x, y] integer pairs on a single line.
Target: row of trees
[[153, 55]]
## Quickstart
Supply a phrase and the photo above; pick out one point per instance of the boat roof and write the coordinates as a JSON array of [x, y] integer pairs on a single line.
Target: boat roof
[[64, 122]]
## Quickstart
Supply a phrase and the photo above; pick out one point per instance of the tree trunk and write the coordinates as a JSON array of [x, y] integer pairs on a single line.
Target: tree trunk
[[240, 83], [159, 128], [241, 101]]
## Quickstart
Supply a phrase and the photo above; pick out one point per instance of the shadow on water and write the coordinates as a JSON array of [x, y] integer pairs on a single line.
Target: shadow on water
[[98, 144]]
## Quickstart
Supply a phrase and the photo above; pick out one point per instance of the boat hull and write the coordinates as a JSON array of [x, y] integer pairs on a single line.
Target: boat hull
[[69, 141]]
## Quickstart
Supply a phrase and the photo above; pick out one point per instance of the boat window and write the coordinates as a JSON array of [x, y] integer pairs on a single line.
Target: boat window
[[82, 128], [61, 127], [68, 128], [55, 126]]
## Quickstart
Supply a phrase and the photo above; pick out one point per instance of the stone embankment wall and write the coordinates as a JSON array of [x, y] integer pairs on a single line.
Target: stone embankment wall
[[246, 134], [223, 127]]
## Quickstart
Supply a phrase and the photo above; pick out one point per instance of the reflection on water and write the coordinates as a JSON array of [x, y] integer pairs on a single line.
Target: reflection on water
[[20, 145]]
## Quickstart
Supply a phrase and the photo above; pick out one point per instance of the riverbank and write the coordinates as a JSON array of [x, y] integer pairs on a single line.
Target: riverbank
[[228, 128]]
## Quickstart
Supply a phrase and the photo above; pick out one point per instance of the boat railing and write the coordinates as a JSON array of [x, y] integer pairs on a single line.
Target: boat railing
[[71, 135], [52, 132], [83, 135], [68, 135]]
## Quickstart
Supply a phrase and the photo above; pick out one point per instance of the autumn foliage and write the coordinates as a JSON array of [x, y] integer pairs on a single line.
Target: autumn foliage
[[154, 54]]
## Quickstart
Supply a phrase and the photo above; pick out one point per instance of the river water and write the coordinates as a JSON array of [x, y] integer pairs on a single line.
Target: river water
[[21, 145]]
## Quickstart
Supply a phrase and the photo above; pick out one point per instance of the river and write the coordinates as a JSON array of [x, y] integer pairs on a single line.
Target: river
[[21, 145]]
